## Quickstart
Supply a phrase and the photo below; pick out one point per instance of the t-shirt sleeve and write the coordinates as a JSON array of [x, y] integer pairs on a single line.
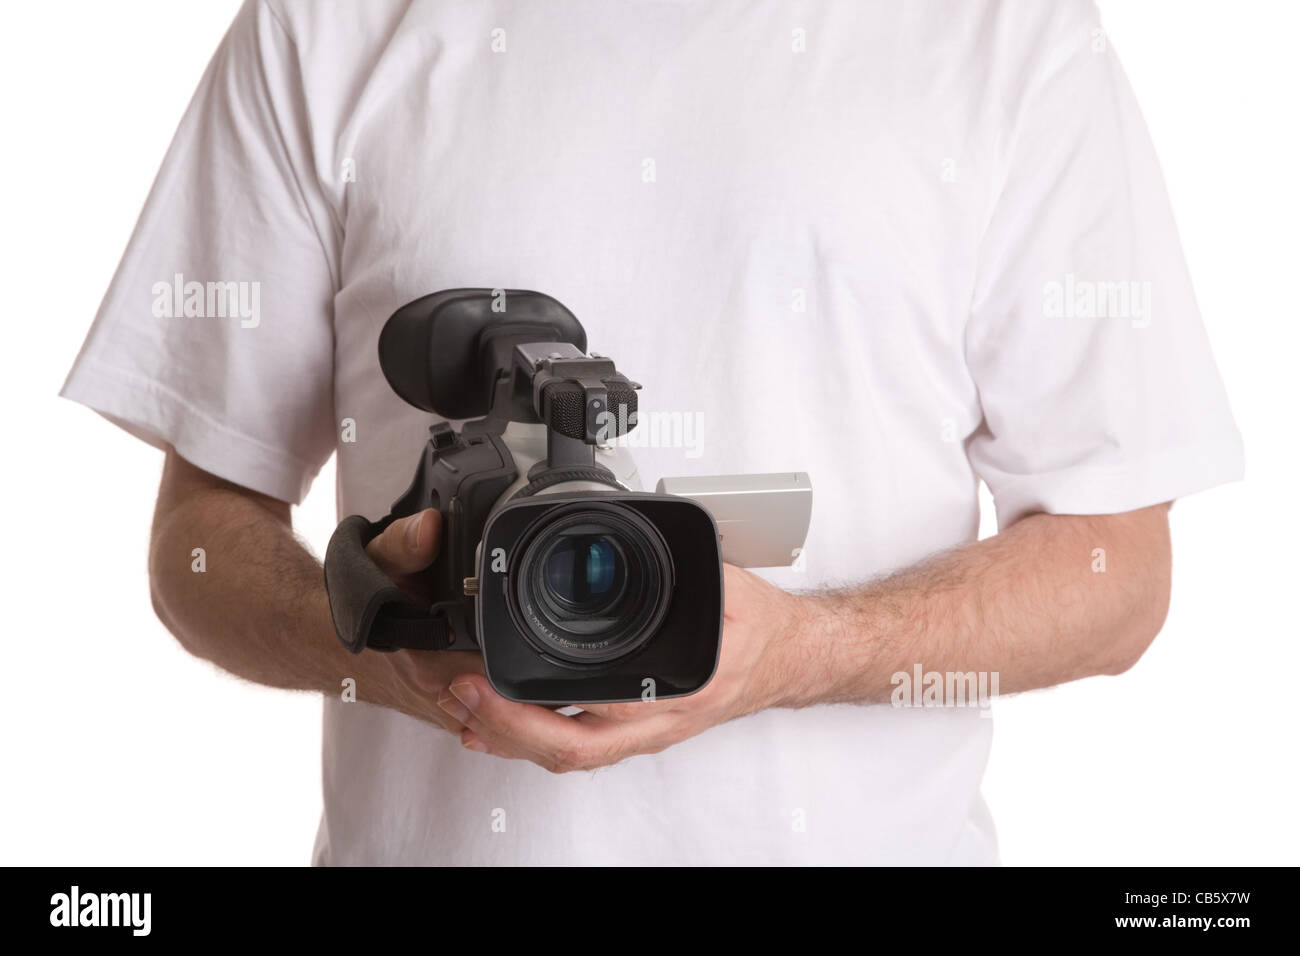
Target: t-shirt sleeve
[[216, 334], [1095, 377]]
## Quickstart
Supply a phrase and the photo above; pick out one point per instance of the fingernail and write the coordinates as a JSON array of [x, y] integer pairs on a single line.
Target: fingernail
[[466, 694], [413, 532], [470, 742], [454, 708]]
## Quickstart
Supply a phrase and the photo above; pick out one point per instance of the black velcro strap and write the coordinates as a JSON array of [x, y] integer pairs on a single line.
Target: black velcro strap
[[368, 609]]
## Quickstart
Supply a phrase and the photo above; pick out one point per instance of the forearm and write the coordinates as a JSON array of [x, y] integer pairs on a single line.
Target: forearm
[[1026, 603], [258, 607]]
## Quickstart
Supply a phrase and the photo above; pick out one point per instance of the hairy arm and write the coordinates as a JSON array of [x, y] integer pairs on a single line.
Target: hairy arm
[[1030, 603], [259, 609]]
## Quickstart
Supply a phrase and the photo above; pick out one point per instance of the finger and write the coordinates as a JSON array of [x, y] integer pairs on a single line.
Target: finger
[[472, 741], [630, 710], [453, 712], [551, 740], [650, 739], [492, 743], [408, 544]]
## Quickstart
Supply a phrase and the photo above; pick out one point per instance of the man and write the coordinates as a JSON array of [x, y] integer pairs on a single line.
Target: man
[[901, 246]]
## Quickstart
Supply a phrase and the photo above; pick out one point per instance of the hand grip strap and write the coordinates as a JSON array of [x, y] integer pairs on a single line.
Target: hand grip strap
[[368, 609]]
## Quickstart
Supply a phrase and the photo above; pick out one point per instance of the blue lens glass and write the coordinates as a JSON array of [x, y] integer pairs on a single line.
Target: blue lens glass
[[582, 570]]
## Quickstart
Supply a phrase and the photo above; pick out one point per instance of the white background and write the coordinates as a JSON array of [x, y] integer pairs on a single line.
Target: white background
[[116, 747]]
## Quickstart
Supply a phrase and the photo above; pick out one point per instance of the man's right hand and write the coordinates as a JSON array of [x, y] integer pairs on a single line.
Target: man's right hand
[[418, 678]]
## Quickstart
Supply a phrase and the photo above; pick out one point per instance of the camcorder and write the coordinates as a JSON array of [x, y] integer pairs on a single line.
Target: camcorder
[[575, 585]]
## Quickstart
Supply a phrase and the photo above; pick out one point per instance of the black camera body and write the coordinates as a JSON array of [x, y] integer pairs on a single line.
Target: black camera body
[[574, 587]]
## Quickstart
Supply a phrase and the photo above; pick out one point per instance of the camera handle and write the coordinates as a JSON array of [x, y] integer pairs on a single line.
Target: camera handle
[[368, 609], [460, 474]]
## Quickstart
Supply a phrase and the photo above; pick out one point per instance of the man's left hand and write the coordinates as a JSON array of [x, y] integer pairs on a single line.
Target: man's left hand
[[754, 669]]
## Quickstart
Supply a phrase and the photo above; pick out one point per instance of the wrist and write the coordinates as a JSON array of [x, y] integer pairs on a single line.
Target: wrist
[[385, 679], [794, 652], [391, 680]]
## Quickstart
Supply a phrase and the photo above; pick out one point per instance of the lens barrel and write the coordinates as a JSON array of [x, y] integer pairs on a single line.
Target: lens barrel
[[593, 583]]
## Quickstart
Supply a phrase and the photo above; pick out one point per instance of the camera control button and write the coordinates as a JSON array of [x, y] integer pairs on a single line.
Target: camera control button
[[442, 435]]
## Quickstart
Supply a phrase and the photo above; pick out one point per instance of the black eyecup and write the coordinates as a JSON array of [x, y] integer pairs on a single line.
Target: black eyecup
[[436, 352]]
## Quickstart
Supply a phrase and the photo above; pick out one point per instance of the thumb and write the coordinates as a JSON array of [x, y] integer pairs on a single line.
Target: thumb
[[408, 544]]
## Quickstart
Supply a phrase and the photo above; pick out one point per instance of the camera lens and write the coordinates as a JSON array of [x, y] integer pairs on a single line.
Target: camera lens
[[585, 572], [593, 584]]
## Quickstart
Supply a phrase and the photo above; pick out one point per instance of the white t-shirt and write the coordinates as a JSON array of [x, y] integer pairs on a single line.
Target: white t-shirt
[[901, 246]]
